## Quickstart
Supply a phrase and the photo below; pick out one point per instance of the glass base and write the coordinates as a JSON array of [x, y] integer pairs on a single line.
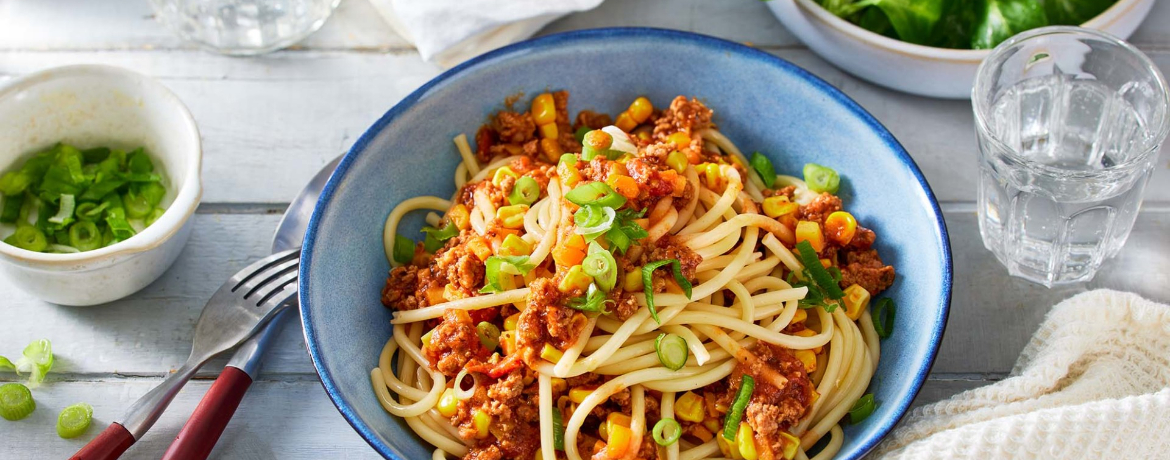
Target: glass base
[[243, 27]]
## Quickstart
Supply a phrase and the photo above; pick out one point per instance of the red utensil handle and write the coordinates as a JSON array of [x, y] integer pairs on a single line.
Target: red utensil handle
[[202, 430], [107, 446]]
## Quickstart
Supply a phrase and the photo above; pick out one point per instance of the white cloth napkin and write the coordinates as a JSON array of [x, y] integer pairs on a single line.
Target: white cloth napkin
[[1094, 383], [448, 32]]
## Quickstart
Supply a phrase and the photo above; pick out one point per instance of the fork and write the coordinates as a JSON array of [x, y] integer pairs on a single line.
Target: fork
[[243, 305]]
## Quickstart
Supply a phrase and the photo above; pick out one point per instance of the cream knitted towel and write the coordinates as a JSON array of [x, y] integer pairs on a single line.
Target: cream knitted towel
[[1094, 383]]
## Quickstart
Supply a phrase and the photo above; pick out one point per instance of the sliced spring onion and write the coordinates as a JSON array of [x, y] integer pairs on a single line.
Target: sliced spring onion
[[735, 414], [524, 191], [597, 194], [648, 282], [85, 236], [154, 216], [594, 301], [136, 204], [625, 231], [601, 265], [580, 134], [403, 249], [862, 408], [821, 179], [672, 351], [661, 434], [153, 192], [6, 364], [812, 263], [593, 220], [489, 335], [28, 238], [883, 317], [16, 402], [90, 211], [64, 211], [497, 266], [11, 210], [569, 158], [436, 237], [37, 360], [763, 167], [621, 140], [558, 429], [74, 420]]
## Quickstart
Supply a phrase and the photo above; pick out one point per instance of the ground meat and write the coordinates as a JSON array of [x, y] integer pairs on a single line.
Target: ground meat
[[865, 268], [686, 115], [454, 267], [454, 343], [773, 409], [515, 415], [820, 208], [514, 128], [485, 139], [491, 452], [400, 290], [788, 191], [624, 305], [862, 239], [668, 247], [544, 320], [592, 120], [656, 181]]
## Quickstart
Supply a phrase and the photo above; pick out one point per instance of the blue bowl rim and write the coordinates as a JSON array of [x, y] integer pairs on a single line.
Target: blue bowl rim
[[327, 380]]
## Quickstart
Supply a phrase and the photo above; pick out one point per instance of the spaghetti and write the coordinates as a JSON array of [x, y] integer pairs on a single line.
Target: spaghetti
[[627, 289]]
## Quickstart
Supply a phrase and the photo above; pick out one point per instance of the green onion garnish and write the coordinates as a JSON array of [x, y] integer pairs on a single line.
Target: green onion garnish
[[524, 191], [154, 216], [763, 167], [85, 236], [64, 211], [570, 158], [90, 211], [597, 194], [489, 335], [403, 249], [648, 282], [883, 317], [74, 420], [497, 266], [580, 134], [735, 414], [28, 238], [138, 162], [661, 427], [16, 402], [436, 237], [812, 264], [558, 429], [625, 231], [601, 265], [862, 408], [672, 351], [37, 360], [594, 301], [593, 220], [11, 210], [6, 364], [821, 178], [136, 204]]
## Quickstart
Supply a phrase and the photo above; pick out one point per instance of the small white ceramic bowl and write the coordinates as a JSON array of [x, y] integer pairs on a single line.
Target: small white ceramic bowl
[[95, 106], [915, 69]]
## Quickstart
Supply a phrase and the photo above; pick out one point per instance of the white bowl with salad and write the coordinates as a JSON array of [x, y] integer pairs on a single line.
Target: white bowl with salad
[[99, 178], [934, 47]]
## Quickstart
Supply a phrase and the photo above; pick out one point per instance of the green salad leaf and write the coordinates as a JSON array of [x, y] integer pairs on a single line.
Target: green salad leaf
[[1074, 12], [1000, 19]]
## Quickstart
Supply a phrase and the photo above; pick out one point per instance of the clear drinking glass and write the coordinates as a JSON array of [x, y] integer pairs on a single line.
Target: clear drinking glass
[[243, 27], [1069, 122]]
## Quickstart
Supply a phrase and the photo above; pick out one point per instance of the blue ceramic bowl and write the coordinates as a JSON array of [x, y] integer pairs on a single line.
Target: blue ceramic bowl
[[761, 102]]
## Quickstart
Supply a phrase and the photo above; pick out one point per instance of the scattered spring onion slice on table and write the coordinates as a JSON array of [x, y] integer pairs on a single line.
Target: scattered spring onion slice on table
[[672, 351], [821, 179], [862, 408], [648, 282], [764, 168], [660, 432], [74, 420], [735, 413], [16, 402], [36, 360], [883, 317]]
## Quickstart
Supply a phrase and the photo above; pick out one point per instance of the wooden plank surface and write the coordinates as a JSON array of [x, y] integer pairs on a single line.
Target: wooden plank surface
[[304, 106]]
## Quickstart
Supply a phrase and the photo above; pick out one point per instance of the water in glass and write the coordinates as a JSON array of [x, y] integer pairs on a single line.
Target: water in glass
[[244, 26]]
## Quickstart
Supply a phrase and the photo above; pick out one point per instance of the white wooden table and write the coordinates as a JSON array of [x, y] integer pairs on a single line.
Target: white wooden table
[[269, 123]]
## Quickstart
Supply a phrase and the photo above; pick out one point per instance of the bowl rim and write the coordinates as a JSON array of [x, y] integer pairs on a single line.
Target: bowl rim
[[173, 218], [1115, 12], [567, 38]]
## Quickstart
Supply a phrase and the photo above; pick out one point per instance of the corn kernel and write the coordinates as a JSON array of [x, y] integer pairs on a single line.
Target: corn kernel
[[726, 448], [578, 395], [575, 279], [451, 293], [791, 443], [448, 403], [551, 353], [841, 227], [702, 433], [810, 231], [800, 316], [426, 338], [558, 385], [459, 216], [689, 407], [549, 131], [544, 109], [856, 301], [435, 295], [809, 358], [809, 333], [512, 216], [551, 148], [481, 420], [508, 342], [625, 122], [677, 161], [620, 438], [640, 109], [603, 431], [618, 418], [502, 173], [746, 443], [633, 280], [680, 140], [776, 206], [514, 246], [712, 423], [568, 173]]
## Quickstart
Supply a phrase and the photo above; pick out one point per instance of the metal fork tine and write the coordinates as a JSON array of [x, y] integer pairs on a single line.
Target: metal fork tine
[[273, 287], [266, 276], [251, 271], [276, 299]]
